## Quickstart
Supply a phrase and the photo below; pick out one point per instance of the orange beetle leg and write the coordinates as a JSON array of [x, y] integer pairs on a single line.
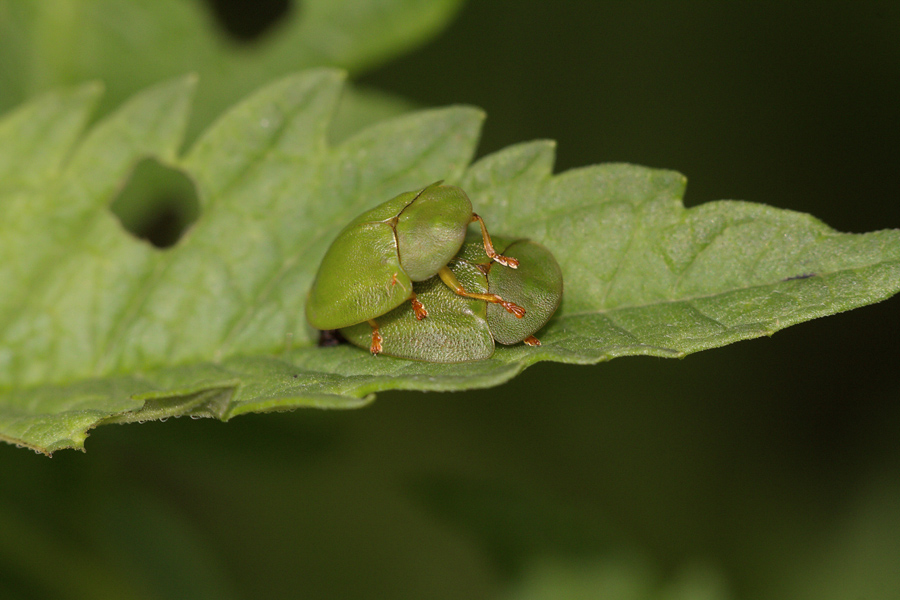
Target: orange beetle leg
[[506, 261], [376, 339], [418, 307]]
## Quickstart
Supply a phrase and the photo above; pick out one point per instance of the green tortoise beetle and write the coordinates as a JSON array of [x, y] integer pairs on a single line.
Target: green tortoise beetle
[[460, 329], [370, 267]]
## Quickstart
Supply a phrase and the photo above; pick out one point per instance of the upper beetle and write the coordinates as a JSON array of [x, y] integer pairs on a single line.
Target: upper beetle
[[370, 267]]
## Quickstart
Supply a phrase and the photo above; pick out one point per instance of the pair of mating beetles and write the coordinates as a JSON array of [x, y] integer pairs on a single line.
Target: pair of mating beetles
[[464, 292]]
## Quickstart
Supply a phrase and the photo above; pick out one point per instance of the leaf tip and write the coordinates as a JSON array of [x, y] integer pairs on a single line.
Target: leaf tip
[[476, 112]]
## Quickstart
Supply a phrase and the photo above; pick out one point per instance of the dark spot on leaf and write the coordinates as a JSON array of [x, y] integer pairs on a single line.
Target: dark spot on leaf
[[157, 203], [248, 21], [802, 276]]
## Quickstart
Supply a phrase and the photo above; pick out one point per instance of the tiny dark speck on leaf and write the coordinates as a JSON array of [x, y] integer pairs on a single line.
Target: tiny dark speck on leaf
[[803, 276]]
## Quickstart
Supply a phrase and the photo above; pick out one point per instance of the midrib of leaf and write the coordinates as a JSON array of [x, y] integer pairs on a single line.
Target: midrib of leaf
[[727, 331]]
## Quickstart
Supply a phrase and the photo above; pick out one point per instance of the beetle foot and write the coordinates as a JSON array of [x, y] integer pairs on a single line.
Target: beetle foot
[[532, 341], [418, 308], [506, 261], [513, 308], [375, 349]]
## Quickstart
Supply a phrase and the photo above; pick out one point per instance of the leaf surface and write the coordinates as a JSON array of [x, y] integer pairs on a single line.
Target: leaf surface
[[131, 45], [97, 326]]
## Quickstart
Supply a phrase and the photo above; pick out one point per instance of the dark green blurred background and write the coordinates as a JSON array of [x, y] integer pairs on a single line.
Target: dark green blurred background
[[772, 463]]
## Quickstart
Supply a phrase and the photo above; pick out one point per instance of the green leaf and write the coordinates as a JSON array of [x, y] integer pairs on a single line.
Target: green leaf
[[130, 45], [97, 326]]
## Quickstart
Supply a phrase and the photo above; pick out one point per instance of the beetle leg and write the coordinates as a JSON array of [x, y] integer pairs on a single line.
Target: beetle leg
[[418, 307], [453, 283], [376, 338], [532, 341], [506, 261]]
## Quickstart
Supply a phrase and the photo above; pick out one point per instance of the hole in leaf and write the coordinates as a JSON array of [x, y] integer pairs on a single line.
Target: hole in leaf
[[157, 203], [248, 21]]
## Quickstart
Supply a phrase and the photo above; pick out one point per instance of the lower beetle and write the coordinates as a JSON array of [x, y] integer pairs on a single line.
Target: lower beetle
[[460, 329], [370, 267]]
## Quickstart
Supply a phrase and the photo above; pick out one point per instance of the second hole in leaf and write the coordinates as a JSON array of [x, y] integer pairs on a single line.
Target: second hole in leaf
[[157, 203], [248, 21]]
